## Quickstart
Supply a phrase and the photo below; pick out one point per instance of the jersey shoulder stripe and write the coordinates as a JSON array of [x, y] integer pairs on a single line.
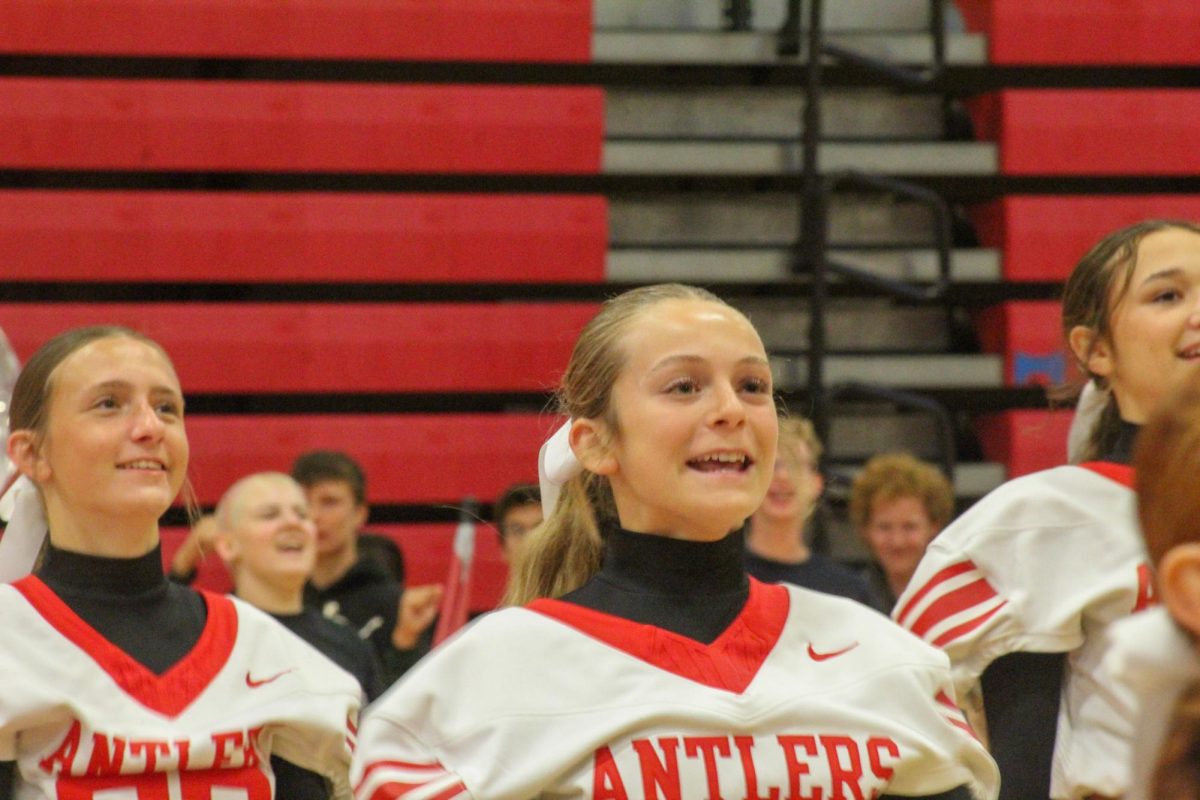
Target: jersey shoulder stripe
[[390, 780], [954, 602]]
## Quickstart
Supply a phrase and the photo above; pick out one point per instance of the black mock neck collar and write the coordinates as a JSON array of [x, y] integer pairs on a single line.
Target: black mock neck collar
[[662, 565], [79, 572]]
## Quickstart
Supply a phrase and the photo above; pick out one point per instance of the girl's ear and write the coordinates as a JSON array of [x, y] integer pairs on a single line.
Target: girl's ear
[[1179, 584], [590, 441], [23, 453], [1091, 350]]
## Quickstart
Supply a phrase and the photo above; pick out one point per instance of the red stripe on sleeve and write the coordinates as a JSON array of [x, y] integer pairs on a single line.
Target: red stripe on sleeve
[[966, 627], [952, 571], [955, 602]]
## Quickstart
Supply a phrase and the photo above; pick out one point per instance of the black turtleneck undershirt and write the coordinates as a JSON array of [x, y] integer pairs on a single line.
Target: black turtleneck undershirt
[[123, 599], [694, 589], [1022, 692]]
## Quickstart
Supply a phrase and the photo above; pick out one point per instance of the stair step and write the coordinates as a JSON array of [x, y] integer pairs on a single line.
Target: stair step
[[643, 157], [878, 15], [755, 47], [862, 325], [766, 113], [700, 219], [770, 265], [902, 371]]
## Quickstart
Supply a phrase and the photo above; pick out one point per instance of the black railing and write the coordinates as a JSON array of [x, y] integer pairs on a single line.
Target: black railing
[[812, 257]]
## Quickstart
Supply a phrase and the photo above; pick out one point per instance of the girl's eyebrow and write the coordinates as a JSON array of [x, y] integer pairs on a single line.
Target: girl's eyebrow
[[1170, 272], [694, 359]]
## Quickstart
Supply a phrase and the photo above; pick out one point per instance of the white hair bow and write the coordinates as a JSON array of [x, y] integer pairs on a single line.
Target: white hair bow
[[557, 464], [26, 529], [1088, 409]]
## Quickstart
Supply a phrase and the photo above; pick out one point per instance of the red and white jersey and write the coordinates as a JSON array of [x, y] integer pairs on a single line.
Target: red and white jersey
[[1043, 564], [804, 695], [84, 721]]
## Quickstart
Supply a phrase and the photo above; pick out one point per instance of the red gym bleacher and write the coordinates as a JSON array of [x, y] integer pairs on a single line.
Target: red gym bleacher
[[157, 236], [162, 221], [248, 348], [83, 124], [1085, 32], [424, 30]]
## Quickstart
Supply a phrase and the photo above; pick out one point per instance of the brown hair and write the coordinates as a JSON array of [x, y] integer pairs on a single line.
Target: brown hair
[[1097, 285], [1166, 462], [29, 407], [566, 549], [319, 466], [894, 475]]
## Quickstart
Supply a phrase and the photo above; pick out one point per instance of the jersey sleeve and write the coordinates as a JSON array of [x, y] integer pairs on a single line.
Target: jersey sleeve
[[1024, 571], [315, 726], [393, 763]]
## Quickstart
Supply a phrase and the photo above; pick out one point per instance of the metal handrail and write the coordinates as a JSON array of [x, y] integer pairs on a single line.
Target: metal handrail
[[943, 235], [812, 250], [913, 401]]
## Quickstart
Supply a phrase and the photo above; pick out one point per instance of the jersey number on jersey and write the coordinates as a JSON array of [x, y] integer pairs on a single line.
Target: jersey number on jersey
[[247, 783]]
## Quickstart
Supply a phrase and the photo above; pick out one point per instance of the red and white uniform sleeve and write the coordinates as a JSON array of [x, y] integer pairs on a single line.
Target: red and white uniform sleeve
[[1043, 564], [1030, 568], [401, 766]]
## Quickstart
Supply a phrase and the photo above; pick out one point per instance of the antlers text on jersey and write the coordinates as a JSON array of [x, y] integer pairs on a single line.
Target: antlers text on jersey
[[95, 764], [811, 765]]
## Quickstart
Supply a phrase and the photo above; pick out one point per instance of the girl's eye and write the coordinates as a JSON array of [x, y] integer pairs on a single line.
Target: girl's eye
[[1166, 296], [683, 386], [756, 386], [106, 403]]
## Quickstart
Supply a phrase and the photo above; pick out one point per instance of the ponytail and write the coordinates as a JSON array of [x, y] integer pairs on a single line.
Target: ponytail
[[562, 553]]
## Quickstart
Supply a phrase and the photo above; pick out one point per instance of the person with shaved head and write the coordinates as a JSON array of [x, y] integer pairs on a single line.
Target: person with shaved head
[[268, 543]]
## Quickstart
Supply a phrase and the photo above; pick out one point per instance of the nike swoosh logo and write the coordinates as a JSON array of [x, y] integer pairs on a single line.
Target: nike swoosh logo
[[815, 656], [253, 684]]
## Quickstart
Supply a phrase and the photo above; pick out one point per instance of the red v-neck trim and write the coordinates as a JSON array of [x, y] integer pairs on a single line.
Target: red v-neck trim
[[1121, 473], [168, 694], [729, 663]]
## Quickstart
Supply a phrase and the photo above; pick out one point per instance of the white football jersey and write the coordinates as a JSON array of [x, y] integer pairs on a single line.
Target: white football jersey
[[1043, 564], [804, 695], [84, 721]]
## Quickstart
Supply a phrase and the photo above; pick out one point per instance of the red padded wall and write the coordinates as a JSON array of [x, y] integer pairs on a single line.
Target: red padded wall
[[333, 127], [287, 347], [1093, 131], [410, 458], [1086, 31], [1028, 334], [444, 30], [1042, 237], [280, 238], [1025, 440]]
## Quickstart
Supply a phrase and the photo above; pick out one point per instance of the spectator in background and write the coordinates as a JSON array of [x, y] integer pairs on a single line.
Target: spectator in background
[[268, 543], [516, 513], [267, 539], [775, 547], [898, 504], [357, 588]]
